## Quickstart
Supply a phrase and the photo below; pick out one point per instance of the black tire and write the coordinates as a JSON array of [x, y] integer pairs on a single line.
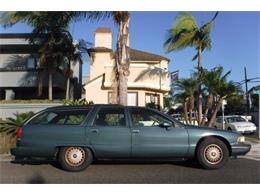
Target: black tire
[[69, 160], [212, 153]]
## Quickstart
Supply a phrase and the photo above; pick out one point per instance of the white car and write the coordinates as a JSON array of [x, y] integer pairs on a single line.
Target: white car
[[237, 123]]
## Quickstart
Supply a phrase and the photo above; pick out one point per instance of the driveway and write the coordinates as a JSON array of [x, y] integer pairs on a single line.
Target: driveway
[[236, 171]]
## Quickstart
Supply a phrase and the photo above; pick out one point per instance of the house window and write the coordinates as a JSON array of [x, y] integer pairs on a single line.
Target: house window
[[31, 62], [152, 100], [132, 98]]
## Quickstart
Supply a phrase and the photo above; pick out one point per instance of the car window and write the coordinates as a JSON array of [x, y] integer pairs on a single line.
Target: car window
[[70, 117], [110, 117], [235, 119], [219, 120], [146, 118]]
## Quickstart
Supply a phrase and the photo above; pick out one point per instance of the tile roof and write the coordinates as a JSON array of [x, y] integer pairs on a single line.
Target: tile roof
[[135, 55]]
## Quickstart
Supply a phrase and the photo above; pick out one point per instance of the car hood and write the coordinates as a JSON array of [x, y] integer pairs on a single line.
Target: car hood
[[202, 128], [242, 124]]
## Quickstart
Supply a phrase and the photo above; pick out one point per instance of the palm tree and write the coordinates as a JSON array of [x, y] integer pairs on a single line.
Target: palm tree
[[122, 19], [187, 88], [74, 53], [224, 90], [210, 80], [186, 33], [54, 26]]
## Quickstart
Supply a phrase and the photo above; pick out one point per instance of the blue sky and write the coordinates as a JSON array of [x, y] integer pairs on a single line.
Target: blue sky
[[235, 40]]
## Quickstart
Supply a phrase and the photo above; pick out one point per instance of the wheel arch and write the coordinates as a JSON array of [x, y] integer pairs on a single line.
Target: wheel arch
[[225, 141]]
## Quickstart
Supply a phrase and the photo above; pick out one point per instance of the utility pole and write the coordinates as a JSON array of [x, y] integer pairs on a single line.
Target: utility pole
[[247, 100]]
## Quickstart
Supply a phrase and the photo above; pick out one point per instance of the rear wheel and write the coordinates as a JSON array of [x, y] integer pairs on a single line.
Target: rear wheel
[[212, 153], [75, 158]]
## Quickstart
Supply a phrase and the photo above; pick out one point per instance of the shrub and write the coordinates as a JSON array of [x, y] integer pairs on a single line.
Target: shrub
[[10, 125], [77, 102]]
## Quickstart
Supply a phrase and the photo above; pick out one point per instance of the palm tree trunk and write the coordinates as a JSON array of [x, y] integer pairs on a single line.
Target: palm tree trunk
[[50, 85], [124, 60], [208, 106], [68, 82], [199, 94], [68, 88], [185, 109], [122, 88], [214, 115], [40, 80]]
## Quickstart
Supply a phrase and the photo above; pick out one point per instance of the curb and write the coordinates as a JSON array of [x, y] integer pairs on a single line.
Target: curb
[[252, 140], [6, 157]]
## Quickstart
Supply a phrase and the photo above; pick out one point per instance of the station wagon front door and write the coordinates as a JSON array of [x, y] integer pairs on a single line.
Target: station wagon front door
[[110, 135], [151, 140]]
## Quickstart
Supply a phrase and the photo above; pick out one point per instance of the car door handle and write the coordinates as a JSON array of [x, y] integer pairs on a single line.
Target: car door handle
[[94, 130], [135, 131]]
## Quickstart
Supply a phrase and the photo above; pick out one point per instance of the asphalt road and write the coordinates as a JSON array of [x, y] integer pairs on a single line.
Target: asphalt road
[[236, 171]]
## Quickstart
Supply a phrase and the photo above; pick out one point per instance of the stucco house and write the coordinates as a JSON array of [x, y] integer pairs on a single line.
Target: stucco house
[[19, 67], [149, 88]]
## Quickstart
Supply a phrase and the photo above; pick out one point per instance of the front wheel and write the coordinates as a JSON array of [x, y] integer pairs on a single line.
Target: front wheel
[[75, 158], [212, 153]]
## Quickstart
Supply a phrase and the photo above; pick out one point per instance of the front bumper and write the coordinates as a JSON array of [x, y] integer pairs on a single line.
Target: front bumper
[[240, 149]]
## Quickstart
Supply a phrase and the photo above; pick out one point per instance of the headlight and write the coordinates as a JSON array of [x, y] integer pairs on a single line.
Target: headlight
[[241, 139]]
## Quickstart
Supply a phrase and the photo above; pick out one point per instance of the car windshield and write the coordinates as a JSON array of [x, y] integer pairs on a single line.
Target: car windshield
[[235, 119]]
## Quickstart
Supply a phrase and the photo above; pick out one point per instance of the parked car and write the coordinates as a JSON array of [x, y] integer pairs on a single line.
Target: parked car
[[236, 123], [77, 135]]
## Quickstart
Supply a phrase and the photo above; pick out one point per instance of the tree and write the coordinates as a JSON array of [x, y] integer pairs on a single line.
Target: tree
[[122, 19], [57, 38], [186, 33], [210, 79], [221, 89], [187, 88], [74, 54]]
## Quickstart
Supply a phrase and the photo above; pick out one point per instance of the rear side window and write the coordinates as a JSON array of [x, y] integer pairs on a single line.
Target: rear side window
[[146, 118], [68, 117], [110, 117]]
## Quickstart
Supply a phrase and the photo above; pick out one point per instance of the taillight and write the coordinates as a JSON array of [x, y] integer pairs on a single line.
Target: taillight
[[19, 133]]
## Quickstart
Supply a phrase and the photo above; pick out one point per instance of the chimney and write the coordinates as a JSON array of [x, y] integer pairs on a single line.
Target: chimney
[[103, 38]]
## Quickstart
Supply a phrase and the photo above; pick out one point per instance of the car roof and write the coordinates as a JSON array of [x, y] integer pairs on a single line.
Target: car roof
[[79, 107]]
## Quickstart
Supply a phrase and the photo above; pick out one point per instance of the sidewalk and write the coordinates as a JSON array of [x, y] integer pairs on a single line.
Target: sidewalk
[[254, 153]]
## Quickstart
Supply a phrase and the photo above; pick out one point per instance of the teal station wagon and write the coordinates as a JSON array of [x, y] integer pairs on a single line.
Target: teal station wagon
[[77, 135]]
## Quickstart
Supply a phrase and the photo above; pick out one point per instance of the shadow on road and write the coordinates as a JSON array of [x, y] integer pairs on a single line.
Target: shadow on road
[[185, 163], [36, 162], [36, 179]]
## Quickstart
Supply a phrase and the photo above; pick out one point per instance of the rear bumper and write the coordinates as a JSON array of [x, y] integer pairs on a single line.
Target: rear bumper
[[240, 149]]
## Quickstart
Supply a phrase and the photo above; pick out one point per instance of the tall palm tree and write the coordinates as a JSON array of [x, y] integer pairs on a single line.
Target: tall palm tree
[[186, 33], [187, 87], [210, 79], [74, 54], [122, 20]]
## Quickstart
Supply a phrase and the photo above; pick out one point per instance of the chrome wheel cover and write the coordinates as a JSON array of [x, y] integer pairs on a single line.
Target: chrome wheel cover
[[75, 156], [213, 154]]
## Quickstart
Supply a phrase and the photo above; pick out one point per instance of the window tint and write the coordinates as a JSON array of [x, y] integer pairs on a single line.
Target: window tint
[[110, 117], [146, 118], [72, 117]]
